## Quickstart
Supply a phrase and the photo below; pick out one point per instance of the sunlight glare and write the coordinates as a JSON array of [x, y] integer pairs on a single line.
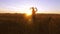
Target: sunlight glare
[[28, 12]]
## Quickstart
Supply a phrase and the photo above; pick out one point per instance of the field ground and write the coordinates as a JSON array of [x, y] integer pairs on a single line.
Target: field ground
[[20, 24]]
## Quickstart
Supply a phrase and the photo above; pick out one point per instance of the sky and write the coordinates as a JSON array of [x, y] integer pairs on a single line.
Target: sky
[[45, 6]]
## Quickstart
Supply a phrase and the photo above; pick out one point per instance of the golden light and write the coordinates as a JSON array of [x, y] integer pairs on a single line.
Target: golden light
[[28, 12]]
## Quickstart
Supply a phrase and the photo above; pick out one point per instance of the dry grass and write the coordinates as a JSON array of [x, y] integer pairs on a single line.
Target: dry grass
[[17, 24]]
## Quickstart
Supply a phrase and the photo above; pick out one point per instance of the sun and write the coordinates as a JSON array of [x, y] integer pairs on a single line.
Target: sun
[[28, 12]]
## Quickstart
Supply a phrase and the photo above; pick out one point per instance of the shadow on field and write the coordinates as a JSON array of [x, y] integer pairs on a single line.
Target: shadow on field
[[17, 24]]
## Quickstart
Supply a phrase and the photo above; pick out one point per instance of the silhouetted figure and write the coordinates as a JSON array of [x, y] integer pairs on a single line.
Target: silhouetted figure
[[33, 13]]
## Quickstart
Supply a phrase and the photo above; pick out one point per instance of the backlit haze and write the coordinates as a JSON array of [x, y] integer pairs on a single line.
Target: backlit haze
[[23, 6]]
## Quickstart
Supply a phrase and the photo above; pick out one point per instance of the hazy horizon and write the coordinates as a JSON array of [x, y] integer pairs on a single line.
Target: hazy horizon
[[17, 6]]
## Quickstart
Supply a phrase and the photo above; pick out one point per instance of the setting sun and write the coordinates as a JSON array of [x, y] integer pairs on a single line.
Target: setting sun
[[28, 12]]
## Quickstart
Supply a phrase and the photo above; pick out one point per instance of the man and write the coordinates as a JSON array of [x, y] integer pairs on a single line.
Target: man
[[33, 13]]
